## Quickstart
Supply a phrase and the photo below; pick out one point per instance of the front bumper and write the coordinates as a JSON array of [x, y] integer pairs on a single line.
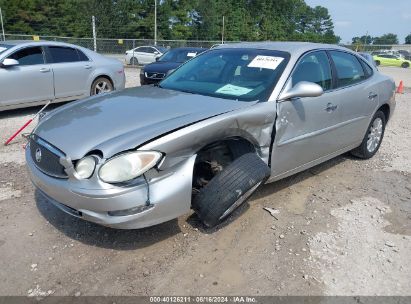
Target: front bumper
[[170, 196]]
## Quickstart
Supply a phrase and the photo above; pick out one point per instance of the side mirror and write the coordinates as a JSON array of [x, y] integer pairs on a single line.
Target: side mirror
[[156, 53], [157, 58], [8, 62], [301, 89]]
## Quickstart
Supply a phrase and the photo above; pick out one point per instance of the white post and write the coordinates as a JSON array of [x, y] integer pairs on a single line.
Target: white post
[[93, 21], [2, 26], [222, 33], [155, 22]]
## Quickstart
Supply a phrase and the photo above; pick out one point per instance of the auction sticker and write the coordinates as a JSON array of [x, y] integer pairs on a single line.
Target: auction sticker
[[265, 62]]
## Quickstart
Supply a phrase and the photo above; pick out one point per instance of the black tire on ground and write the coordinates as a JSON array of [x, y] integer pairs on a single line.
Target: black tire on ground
[[101, 85], [362, 151], [377, 62], [134, 61], [405, 65], [230, 188]]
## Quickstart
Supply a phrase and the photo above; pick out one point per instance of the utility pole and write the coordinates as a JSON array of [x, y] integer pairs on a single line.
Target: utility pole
[[222, 33], [155, 22], [93, 22], [2, 26]]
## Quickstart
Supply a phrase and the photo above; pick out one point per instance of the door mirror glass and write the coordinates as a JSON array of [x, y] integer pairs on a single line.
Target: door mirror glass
[[8, 62], [302, 89]]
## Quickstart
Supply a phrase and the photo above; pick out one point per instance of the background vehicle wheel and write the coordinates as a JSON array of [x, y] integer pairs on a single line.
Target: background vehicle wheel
[[405, 65], [134, 61], [373, 138], [377, 62], [230, 188], [101, 85]]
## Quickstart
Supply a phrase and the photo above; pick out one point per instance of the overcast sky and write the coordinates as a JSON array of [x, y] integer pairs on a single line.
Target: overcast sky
[[356, 17]]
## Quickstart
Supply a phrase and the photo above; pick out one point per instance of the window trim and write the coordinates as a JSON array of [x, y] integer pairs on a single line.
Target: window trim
[[85, 55], [29, 47]]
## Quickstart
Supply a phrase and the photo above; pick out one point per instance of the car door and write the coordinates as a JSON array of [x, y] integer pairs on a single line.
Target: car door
[[29, 81], [71, 73], [305, 127], [356, 95]]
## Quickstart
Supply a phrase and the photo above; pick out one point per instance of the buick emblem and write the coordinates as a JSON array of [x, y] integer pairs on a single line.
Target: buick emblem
[[38, 155]]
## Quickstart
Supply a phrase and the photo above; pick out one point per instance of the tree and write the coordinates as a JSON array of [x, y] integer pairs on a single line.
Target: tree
[[366, 39], [386, 39], [408, 39]]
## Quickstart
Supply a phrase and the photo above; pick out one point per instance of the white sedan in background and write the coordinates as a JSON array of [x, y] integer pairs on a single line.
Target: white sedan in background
[[33, 73], [144, 54]]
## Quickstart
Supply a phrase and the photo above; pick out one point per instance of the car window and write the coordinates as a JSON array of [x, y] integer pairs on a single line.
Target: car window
[[237, 74], [314, 67], [63, 54], [178, 55], [29, 56], [151, 50], [144, 49], [349, 69], [367, 68], [82, 56]]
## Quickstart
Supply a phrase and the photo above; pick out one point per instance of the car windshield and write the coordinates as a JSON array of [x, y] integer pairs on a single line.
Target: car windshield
[[178, 55], [239, 74], [4, 47], [162, 49]]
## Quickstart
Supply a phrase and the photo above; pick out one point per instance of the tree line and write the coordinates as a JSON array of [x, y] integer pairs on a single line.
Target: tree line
[[244, 20], [385, 39]]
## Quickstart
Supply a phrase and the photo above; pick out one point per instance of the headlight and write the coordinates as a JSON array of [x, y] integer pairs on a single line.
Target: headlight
[[128, 166], [85, 167]]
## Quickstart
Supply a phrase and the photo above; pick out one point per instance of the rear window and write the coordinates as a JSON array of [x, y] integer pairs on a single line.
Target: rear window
[[349, 69], [63, 54]]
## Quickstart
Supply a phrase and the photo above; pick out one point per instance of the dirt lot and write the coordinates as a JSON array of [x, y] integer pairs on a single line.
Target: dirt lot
[[343, 228]]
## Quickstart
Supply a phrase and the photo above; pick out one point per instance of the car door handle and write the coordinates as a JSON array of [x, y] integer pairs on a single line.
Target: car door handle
[[372, 95], [44, 70], [87, 66], [330, 107]]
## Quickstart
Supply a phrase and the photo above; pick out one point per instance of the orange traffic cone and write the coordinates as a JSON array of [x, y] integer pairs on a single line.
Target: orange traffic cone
[[400, 89]]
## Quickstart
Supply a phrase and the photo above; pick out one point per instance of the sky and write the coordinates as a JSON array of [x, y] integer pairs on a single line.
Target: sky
[[377, 17]]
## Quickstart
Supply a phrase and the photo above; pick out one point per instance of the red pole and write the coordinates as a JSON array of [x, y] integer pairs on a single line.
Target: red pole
[[17, 133]]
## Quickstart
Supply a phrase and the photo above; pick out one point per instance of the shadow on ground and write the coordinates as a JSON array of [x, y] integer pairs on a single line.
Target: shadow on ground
[[100, 236]]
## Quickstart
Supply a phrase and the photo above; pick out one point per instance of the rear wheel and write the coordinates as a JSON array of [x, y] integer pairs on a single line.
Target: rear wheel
[[230, 188], [405, 65], [101, 85], [373, 138]]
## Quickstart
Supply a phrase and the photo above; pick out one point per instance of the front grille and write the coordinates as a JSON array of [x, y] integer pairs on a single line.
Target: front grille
[[46, 157], [155, 75]]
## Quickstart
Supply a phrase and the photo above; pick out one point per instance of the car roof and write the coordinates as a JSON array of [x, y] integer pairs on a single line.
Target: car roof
[[290, 47], [33, 42]]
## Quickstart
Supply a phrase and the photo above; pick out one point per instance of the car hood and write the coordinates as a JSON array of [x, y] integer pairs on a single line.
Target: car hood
[[161, 67], [124, 120]]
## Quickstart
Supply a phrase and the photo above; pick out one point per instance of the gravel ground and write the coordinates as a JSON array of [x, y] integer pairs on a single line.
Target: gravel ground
[[343, 228]]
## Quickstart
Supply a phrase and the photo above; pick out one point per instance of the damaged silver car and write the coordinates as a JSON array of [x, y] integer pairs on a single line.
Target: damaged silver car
[[210, 134]]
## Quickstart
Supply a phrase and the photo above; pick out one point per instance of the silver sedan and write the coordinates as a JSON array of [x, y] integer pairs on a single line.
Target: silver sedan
[[213, 131], [33, 73]]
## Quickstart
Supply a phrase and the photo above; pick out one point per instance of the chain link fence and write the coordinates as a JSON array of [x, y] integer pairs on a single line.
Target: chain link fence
[[117, 47]]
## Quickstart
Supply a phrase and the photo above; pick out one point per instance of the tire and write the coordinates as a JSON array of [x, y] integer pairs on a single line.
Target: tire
[[377, 62], [101, 85], [405, 65], [230, 188], [366, 150], [134, 61]]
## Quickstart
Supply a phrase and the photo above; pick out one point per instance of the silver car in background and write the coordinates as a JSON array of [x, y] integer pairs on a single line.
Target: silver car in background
[[207, 136], [34, 72], [144, 54]]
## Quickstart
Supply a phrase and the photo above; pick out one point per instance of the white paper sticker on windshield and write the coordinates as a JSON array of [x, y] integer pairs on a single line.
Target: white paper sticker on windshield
[[191, 54], [265, 62], [230, 89], [2, 49]]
